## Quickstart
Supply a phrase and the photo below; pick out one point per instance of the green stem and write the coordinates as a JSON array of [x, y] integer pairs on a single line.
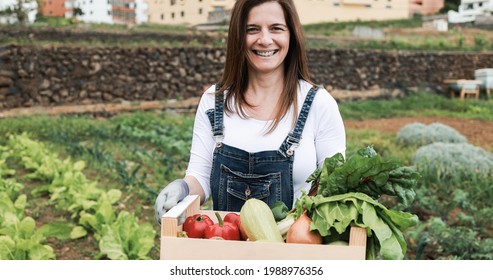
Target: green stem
[[219, 219]]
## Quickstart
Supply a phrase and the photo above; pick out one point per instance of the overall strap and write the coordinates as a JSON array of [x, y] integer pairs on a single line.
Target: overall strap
[[293, 139], [215, 116]]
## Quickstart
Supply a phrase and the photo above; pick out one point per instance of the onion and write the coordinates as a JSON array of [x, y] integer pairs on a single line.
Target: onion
[[300, 232]]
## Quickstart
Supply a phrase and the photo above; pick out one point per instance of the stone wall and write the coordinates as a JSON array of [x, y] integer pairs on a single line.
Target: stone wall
[[42, 76]]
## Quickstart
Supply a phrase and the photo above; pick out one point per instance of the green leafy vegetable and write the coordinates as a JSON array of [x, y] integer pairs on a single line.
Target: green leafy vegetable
[[279, 210], [126, 239], [335, 215], [365, 172]]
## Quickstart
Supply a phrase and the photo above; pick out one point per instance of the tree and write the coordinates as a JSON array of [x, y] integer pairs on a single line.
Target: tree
[[450, 5], [21, 8]]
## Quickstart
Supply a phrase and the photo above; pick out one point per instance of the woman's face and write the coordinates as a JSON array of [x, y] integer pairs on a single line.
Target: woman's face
[[267, 38]]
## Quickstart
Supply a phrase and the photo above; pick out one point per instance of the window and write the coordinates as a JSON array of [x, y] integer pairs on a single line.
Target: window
[[200, 11], [162, 16], [172, 15], [182, 14], [172, 2]]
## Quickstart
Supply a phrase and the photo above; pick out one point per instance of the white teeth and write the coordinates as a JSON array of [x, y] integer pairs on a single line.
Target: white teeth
[[265, 54]]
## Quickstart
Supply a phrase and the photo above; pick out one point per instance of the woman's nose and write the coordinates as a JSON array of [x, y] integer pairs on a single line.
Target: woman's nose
[[265, 38]]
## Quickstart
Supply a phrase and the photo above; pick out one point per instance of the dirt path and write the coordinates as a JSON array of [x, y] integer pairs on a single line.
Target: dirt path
[[477, 132]]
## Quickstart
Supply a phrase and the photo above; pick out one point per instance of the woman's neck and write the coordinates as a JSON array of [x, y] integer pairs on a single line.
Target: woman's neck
[[263, 95]]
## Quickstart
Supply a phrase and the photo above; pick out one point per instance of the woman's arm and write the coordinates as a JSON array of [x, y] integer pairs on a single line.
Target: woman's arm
[[195, 187]]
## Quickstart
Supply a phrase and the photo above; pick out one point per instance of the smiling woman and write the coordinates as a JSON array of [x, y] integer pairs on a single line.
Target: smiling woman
[[265, 126]]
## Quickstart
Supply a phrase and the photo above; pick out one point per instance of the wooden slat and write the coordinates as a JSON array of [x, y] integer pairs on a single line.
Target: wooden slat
[[357, 236], [169, 221]]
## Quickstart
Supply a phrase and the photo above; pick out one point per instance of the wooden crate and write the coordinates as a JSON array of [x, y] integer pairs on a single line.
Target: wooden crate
[[179, 248]]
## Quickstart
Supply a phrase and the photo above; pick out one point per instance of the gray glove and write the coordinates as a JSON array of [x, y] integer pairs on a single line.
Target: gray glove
[[173, 193]]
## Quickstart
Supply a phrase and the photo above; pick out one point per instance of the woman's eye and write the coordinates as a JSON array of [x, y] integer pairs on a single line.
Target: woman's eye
[[278, 28], [251, 29]]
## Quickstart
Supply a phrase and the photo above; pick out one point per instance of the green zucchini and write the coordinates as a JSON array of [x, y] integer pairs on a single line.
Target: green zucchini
[[258, 221]]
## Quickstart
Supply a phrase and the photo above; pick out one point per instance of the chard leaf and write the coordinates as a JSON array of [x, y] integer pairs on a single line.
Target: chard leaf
[[78, 232], [7, 248], [365, 172], [26, 227], [21, 202], [41, 252], [114, 195], [79, 165], [111, 244], [58, 230]]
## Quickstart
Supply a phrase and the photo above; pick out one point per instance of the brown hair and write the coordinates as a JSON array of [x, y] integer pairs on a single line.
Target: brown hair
[[235, 75]]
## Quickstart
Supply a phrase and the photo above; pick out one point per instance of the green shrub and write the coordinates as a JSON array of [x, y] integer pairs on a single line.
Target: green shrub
[[418, 134], [453, 160], [445, 242]]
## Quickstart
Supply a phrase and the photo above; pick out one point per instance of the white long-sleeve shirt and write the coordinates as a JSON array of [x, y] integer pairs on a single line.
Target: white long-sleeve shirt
[[323, 136]]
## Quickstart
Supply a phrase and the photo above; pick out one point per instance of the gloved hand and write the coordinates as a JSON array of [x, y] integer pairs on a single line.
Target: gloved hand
[[173, 193]]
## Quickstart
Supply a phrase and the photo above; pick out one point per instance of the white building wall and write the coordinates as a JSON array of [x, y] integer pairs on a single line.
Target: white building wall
[[97, 11], [31, 16], [141, 15]]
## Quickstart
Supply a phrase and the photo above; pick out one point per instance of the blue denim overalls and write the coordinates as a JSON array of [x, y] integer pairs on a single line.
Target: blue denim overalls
[[238, 175]]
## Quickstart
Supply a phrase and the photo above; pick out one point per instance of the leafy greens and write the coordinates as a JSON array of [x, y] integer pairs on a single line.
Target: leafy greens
[[334, 215], [366, 172]]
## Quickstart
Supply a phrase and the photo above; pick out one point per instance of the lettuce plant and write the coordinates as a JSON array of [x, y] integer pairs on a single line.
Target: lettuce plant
[[19, 240]]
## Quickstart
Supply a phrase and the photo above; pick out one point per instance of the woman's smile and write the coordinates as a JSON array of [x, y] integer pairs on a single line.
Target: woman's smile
[[265, 53]]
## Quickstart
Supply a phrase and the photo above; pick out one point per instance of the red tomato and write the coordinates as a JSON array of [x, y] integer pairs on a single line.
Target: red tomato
[[195, 225], [235, 219]]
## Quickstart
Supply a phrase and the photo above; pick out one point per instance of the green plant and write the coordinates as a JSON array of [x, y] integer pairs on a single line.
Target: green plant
[[454, 177], [460, 242], [418, 134], [19, 239], [454, 160], [91, 206], [126, 239]]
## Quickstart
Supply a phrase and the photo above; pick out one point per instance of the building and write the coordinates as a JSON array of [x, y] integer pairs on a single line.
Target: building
[[195, 12], [425, 7], [53, 8], [315, 11], [470, 9], [191, 12], [30, 7], [108, 11]]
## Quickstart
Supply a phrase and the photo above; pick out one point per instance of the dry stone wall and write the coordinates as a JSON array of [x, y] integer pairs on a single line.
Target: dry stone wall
[[44, 76]]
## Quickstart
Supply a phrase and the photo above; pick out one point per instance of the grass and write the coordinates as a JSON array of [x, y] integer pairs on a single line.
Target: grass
[[418, 104], [346, 27]]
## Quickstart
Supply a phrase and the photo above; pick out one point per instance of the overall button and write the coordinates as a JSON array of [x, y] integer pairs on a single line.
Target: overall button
[[248, 192]]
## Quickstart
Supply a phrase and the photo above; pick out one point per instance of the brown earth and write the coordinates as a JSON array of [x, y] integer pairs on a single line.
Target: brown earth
[[477, 132]]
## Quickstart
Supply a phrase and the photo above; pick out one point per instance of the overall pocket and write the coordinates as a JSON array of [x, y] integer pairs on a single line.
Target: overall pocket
[[239, 187]]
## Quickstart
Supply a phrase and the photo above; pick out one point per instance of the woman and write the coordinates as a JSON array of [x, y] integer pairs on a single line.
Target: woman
[[266, 128]]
